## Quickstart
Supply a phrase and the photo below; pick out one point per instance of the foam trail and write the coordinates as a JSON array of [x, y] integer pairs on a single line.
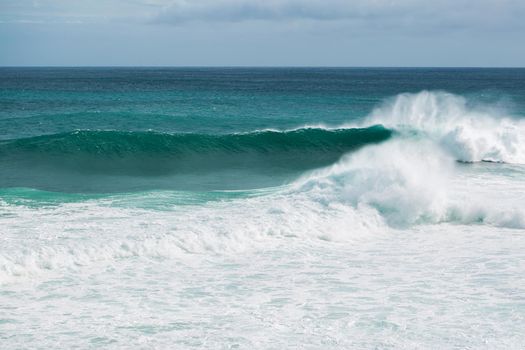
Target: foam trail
[[100, 232], [468, 133]]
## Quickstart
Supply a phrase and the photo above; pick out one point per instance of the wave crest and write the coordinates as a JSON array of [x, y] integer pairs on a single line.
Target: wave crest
[[122, 143], [469, 133]]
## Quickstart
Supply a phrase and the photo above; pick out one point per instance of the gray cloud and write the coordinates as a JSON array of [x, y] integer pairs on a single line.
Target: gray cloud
[[491, 14], [402, 14], [263, 32], [244, 10], [76, 11]]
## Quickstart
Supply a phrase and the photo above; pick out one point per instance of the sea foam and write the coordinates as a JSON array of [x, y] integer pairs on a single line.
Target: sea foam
[[410, 182], [469, 132]]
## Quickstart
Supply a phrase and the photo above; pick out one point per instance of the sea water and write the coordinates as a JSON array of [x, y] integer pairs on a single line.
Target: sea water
[[267, 208]]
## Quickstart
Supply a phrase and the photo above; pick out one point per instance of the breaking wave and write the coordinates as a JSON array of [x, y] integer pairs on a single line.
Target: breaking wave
[[469, 132], [392, 184]]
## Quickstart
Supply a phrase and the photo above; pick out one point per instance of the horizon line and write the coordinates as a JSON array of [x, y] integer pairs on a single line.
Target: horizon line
[[260, 66]]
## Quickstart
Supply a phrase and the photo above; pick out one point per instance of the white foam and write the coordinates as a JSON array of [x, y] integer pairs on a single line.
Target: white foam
[[469, 132], [40, 241], [397, 178], [409, 181]]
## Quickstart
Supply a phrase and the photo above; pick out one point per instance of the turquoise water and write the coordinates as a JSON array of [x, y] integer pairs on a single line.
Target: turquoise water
[[262, 208], [116, 161]]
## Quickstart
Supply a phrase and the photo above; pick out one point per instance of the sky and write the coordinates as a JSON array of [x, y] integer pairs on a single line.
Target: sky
[[486, 33]]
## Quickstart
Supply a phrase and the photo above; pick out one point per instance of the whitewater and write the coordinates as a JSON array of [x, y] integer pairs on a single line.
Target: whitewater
[[402, 230]]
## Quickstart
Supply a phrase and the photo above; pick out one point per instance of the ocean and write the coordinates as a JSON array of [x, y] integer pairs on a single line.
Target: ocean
[[262, 208]]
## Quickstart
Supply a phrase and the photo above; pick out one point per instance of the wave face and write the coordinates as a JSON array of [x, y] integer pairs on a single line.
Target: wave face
[[116, 144], [149, 154], [470, 133]]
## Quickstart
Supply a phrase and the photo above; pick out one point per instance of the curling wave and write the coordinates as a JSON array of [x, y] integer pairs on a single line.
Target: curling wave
[[107, 150], [117, 161], [392, 184]]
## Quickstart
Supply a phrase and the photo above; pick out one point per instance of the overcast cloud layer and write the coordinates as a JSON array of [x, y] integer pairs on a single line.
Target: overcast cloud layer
[[275, 32], [488, 13]]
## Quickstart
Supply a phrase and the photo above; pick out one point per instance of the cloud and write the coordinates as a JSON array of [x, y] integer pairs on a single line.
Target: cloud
[[272, 10], [415, 14], [263, 32], [75, 11], [395, 16]]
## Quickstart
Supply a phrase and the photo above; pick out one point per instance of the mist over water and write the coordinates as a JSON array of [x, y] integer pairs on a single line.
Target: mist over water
[[333, 210], [470, 132]]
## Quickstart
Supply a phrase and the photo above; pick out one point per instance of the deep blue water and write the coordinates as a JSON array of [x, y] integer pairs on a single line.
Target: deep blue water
[[37, 101]]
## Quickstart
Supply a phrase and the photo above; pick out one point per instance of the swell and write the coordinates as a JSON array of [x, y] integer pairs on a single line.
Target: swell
[[121, 143], [46, 162]]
